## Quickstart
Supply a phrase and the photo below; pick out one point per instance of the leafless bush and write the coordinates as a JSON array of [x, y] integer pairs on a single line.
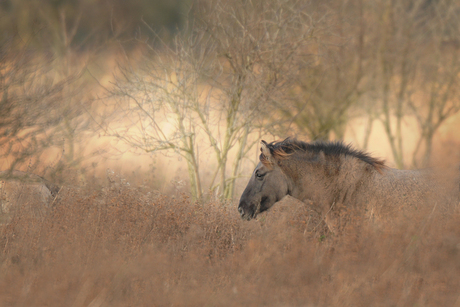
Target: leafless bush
[[213, 85], [29, 96], [44, 106]]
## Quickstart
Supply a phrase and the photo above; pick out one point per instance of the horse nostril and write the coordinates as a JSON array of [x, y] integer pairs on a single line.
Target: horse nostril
[[240, 210]]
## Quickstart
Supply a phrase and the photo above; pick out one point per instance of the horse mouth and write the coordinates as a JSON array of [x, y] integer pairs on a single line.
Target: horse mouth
[[248, 216], [251, 214]]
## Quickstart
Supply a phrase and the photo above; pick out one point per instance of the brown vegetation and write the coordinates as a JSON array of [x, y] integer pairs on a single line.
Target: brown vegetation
[[213, 84], [127, 247]]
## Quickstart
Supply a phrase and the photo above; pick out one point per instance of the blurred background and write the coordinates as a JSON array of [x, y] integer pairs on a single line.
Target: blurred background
[[149, 116], [176, 95]]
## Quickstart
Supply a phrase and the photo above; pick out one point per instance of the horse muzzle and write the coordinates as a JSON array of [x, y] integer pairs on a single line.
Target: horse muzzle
[[246, 213]]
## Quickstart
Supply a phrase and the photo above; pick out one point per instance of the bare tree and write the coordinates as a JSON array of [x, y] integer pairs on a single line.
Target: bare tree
[[258, 46], [30, 95], [215, 84], [439, 101], [75, 126], [383, 59], [328, 72], [43, 105], [436, 92], [155, 104], [412, 76]]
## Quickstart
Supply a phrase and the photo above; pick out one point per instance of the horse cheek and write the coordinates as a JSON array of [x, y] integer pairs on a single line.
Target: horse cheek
[[282, 190]]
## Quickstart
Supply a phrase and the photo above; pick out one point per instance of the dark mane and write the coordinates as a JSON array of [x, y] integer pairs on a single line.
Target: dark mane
[[283, 149]]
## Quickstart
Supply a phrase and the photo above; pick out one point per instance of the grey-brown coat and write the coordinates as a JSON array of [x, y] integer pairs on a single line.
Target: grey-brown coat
[[332, 176]]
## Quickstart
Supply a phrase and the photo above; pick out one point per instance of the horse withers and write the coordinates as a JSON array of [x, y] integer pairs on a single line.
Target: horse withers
[[331, 176]]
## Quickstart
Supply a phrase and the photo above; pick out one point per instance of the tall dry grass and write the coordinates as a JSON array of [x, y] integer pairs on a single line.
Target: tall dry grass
[[125, 246]]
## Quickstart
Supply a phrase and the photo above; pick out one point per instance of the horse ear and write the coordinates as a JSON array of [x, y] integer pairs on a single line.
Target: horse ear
[[265, 150]]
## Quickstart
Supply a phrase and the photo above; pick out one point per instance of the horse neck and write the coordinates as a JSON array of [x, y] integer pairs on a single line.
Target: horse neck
[[352, 180], [320, 180]]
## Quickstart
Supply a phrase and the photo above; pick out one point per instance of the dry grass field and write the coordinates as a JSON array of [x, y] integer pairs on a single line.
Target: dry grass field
[[178, 95], [126, 246]]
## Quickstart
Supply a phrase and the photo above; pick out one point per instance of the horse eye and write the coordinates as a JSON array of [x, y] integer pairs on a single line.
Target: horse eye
[[259, 175]]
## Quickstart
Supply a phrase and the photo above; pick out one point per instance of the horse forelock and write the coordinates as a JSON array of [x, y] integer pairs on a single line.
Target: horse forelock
[[284, 149], [279, 150], [265, 161]]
